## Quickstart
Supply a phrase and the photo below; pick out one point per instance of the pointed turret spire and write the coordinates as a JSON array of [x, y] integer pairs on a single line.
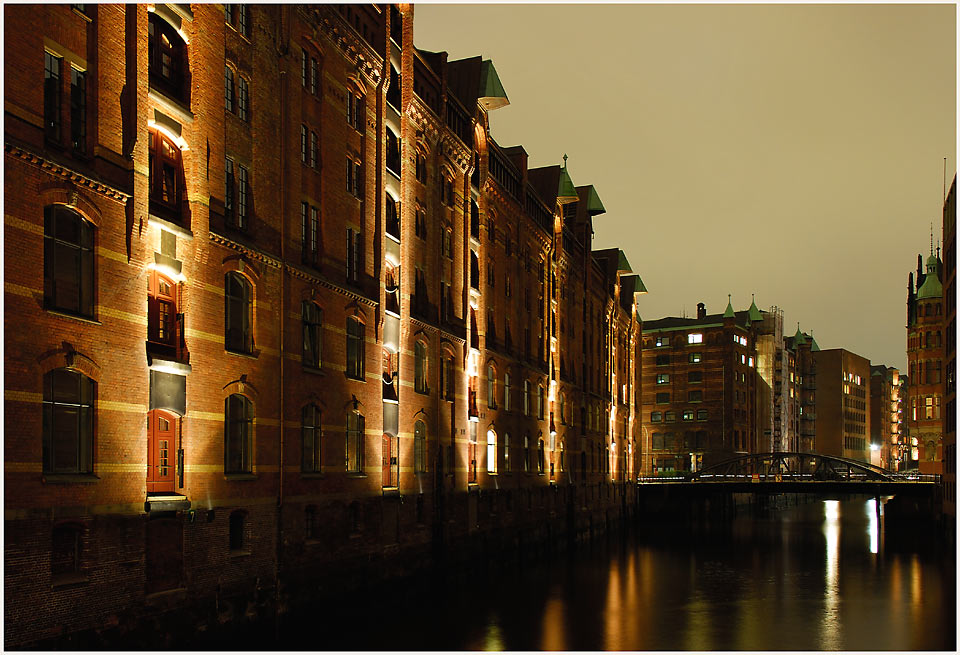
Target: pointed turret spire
[[798, 338], [754, 312], [813, 343], [729, 313]]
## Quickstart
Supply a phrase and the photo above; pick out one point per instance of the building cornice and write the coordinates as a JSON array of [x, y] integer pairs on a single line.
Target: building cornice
[[315, 279], [423, 118], [345, 38], [65, 172], [249, 251]]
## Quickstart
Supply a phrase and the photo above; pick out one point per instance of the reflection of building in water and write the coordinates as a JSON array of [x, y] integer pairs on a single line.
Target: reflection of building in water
[[830, 624]]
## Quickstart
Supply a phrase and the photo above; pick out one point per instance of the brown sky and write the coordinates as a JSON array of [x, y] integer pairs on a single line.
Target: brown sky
[[792, 151]]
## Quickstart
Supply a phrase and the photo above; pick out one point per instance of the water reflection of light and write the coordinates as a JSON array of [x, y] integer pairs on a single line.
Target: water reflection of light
[[874, 526], [830, 625], [493, 639], [613, 612], [554, 635]]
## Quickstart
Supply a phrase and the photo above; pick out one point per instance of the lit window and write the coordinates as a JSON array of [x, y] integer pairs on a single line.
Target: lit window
[[687, 415], [166, 187], [663, 341], [750, 361], [694, 358], [694, 338], [491, 451], [663, 378]]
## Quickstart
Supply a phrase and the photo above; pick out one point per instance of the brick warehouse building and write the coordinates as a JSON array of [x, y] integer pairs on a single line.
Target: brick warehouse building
[[925, 322], [457, 368]]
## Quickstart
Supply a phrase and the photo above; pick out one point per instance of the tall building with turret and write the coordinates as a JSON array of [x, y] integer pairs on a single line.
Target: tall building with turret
[[925, 325]]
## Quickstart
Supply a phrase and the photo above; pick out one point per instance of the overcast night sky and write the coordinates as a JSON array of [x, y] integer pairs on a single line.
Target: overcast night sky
[[795, 152]]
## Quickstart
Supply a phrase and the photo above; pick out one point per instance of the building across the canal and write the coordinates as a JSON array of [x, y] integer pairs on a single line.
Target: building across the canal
[[842, 404], [886, 417], [717, 386], [925, 323], [950, 356], [803, 392], [281, 313]]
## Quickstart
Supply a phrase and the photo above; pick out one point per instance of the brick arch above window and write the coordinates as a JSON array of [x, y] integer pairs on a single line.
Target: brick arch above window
[[58, 193], [68, 358], [242, 387], [244, 266]]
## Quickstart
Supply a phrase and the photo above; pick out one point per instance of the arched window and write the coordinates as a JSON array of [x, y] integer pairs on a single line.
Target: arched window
[[474, 219], [526, 397], [421, 168], [526, 453], [491, 387], [563, 408], [167, 60], [420, 368], [311, 434], [166, 177], [491, 451], [540, 456], [355, 441], [237, 434], [68, 397], [355, 354], [540, 402], [238, 295], [67, 261], [243, 98], [419, 447], [506, 391], [393, 153]]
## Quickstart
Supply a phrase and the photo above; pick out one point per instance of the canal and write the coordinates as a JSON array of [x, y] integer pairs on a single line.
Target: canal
[[817, 576]]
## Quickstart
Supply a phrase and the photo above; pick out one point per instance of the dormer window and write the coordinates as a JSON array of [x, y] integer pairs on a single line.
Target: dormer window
[[167, 58]]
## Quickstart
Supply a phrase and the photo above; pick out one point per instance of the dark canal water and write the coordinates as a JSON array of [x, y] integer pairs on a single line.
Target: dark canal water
[[819, 576]]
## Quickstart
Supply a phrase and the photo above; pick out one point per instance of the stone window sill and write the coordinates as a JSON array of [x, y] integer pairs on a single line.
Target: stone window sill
[[68, 580], [239, 477], [238, 554], [70, 478]]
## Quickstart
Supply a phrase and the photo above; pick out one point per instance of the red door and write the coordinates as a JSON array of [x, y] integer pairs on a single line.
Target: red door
[[161, 448]]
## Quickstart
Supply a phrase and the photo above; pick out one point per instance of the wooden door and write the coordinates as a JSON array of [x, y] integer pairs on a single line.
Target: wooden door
[[161, 451]]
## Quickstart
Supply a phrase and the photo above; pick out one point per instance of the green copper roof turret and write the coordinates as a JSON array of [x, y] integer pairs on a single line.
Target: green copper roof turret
[[798, 338], [754, 313], [594, 206], [813, 343], [565, 189], [729, 313], [623, 266], [931, 287], [491, 93]]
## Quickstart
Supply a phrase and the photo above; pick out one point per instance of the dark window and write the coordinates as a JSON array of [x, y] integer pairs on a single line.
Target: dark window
[[310, 522], [67, 261], [354, 175], [420, 223], [695, 396], [52, 90], [237, 433], [238, 335], [421, 168], [420, 368], [66, 548], [355, 347], [243, 198], [243, 98], [393, 153], [78, 110], [243, 19], [663, 360], [229, 192], [393, 217], [303, 148], [354, 254], [166, 187], [312, 317], [314, 149], [355, 441], [419, 447], [68, 422], [355, 109], [695, 376], [314, 68], [236, 531], [167, 57], [304, 61], [663, 398], [228, 90], [310, 431], [393, 91]]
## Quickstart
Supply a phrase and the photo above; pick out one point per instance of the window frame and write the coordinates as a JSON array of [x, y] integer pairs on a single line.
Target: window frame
[[80, 256], [311, 318], [238, 434], [82, 406], [311, 436], [355, 334], [241, 309]]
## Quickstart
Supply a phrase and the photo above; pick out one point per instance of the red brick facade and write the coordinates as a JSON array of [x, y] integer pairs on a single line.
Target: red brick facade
[[182, 378]]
